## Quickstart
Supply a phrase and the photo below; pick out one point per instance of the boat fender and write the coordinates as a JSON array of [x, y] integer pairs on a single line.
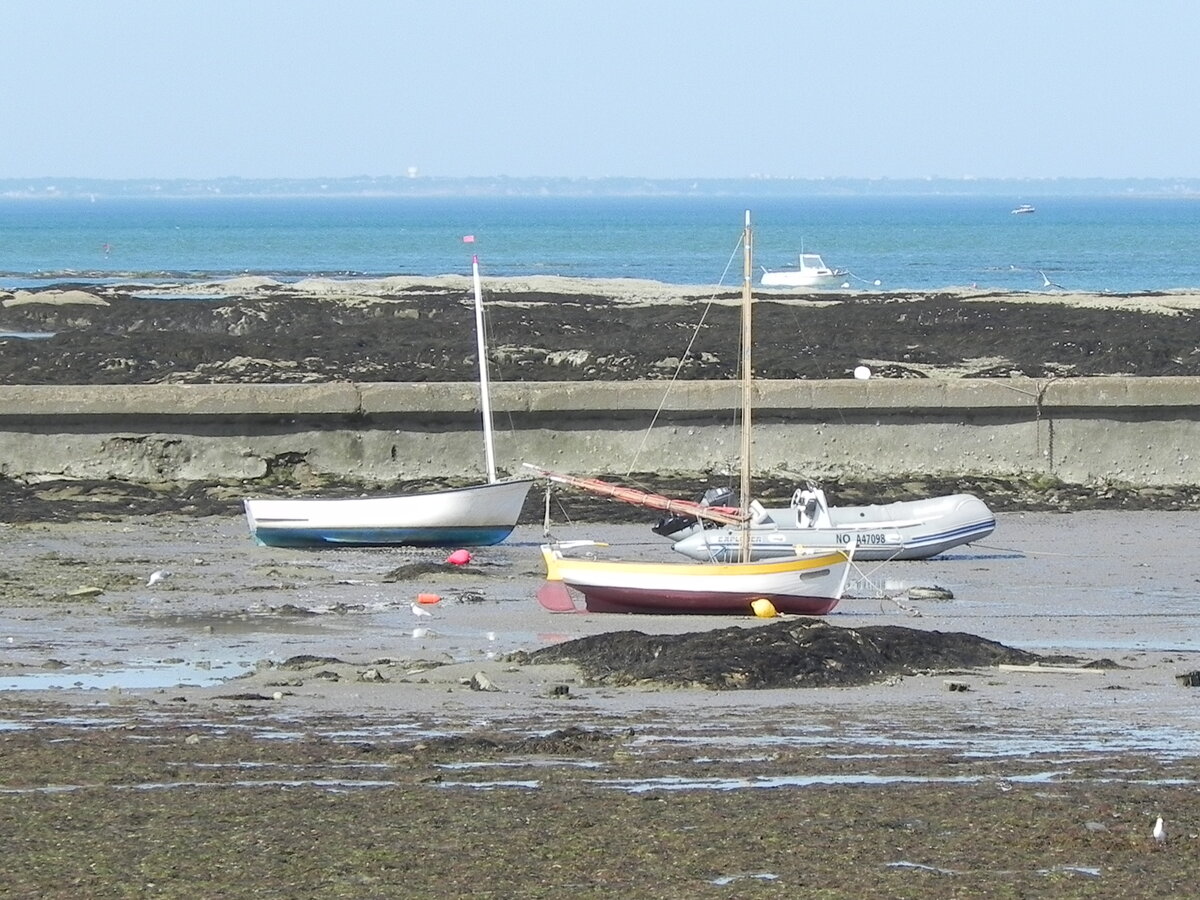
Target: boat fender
[[764, 608]]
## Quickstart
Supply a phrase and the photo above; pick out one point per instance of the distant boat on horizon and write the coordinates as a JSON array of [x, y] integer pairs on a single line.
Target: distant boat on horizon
[[1023, 209]]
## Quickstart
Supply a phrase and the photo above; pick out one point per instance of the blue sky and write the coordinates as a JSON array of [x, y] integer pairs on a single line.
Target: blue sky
[[694, 88]]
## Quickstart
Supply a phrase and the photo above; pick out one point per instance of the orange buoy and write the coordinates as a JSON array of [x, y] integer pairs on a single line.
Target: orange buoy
[[428, 599]]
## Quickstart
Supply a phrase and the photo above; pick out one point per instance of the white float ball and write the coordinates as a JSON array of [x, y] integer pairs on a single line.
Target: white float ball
[[862, 373]]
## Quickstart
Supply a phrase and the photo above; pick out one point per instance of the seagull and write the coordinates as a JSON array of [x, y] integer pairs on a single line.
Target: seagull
[[157, 576], [1160, 833], [419, 610], [1047, 283]]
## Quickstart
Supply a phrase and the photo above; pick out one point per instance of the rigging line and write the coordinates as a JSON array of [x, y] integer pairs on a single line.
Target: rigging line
[[684, 358]]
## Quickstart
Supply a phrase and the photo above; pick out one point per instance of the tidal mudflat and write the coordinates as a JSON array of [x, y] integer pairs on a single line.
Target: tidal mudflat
[[279, 722]]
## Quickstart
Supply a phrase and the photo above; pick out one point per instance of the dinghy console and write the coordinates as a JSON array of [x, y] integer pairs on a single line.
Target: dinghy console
[[812, 510]]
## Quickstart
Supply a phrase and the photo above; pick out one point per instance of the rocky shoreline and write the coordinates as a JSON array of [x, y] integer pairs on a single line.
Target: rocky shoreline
[[407, 330]]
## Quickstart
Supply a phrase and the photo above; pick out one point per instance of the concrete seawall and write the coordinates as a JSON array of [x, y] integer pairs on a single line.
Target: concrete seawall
[[1142, 431]]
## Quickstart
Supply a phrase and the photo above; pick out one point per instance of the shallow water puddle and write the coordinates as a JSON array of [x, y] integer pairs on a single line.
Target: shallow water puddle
[[759, 782], [253, 764], [522, 764], [253, 623], [137, 675], [1089, 871], [756, 876], [988, 740], [335, 785]]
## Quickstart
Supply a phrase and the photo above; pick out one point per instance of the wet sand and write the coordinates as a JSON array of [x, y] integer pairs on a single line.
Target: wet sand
[[1095, 585], [374, 769]]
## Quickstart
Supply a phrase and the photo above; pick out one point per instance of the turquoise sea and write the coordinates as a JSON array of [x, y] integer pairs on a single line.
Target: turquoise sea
[[1105, 244]]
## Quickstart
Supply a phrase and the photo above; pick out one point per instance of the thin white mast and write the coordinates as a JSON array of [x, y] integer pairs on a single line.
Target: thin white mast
[[485, 394], [747, 391]]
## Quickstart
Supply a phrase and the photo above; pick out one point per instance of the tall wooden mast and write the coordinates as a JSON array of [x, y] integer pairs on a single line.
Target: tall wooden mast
[[747, 375]]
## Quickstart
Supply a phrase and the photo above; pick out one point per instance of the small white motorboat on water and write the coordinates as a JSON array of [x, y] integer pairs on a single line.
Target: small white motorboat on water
[[1023, 210], [810, 271], [910, 529]]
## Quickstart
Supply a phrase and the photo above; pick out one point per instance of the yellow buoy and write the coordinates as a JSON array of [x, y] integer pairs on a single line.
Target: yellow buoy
[[764, 608]]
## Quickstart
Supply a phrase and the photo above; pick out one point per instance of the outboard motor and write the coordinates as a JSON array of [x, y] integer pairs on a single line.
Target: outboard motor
[[715, 496]]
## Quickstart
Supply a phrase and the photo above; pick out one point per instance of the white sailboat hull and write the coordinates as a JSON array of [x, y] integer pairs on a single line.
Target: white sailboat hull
[[468, 517]]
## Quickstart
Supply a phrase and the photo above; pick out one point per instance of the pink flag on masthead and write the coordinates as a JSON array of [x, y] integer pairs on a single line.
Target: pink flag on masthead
[[468, 238]]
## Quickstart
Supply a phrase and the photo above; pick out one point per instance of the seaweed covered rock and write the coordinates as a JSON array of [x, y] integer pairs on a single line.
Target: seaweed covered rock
[[800, 652], [258, 331]]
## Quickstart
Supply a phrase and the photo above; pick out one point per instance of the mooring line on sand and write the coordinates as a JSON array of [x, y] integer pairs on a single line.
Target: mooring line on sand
[[1022, 552]]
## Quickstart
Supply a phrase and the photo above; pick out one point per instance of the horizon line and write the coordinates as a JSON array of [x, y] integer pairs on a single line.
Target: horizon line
[[645, 178]]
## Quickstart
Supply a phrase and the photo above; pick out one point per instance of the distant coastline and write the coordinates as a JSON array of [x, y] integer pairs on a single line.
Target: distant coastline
[[47, 187]]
